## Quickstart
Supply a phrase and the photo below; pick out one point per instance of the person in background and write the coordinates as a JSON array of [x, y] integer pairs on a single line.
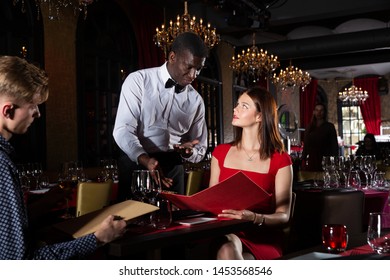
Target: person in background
[[161, 117], [258, 152], [369, 147], [24, 86], [320, 139]]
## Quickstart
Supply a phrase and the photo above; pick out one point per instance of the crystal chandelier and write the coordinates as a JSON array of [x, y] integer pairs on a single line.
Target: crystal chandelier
[[292, 77], [55, 6], [164, 37], [353, 94], [254, 63]]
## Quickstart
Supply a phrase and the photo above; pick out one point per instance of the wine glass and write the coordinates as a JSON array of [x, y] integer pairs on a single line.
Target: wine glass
[[327, 163], [68, 180], [369, 167], [80, 171], [161, 218], [331, 179], [354, 180], [341, 168], [146, 185], [379, 180], [44, 182], [110, 169], [378, 234], [36, 172]]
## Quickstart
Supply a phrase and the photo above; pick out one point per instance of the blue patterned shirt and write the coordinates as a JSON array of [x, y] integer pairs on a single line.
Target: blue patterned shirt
[[15, 241]]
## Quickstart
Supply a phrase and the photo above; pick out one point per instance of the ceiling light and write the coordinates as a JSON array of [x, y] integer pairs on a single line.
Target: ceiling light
[[292, 77], [254, 63], [353, 94], [165, 36]]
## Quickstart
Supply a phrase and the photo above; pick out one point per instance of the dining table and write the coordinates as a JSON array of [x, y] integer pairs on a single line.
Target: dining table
[[316, 206], [37, 193], [375, 199], [144, 241], [357, 248]]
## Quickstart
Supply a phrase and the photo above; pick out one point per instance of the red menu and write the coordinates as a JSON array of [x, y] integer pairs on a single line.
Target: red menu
[[236, 192]]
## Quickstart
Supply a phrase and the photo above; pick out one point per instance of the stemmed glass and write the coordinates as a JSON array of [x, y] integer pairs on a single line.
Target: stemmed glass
[[347, 166], [24, 180], [369, 167], [378, 234], [110, 169], [379, 180], [340, 167], [354, 180], [146, 185], [80, 171], [161, 218], [331, 177], [68, 180], [327, 163], [36, 172]]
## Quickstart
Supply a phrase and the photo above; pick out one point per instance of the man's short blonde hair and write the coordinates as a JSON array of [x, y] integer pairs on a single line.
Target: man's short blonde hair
[[21, 80]]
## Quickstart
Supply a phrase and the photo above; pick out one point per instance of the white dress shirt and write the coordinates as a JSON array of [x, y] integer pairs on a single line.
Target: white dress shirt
[[152, 118]]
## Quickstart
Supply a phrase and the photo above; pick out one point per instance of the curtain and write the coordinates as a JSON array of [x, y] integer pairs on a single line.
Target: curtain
[[371, 108], [147, 18], [307, 102]]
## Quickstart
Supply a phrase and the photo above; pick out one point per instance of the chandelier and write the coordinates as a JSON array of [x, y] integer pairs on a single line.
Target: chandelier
[[56, 6], [254, 63], [292, 77], [353, 94], [164, 37]]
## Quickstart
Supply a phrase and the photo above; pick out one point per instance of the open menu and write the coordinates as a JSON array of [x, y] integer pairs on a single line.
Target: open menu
[[90, 222], [236, 192]]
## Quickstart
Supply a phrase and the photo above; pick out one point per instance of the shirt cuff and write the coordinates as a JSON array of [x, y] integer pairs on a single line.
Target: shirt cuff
[[136, 153]]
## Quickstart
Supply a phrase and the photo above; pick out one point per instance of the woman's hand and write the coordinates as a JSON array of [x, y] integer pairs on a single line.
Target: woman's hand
[[238, 214]]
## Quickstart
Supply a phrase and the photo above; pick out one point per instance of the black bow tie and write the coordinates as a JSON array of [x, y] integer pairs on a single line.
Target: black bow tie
[[170, 83]]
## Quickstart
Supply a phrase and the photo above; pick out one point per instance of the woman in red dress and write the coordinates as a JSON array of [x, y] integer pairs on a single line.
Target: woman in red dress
[[258, 152]]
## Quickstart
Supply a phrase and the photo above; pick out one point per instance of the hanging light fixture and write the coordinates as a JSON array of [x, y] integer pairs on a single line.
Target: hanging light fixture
[[292, 77], [164, 37], [353, 94], [254, 62], [56, 6]]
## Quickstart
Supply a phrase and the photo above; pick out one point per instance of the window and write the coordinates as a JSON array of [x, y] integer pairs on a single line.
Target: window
[[352, 125]]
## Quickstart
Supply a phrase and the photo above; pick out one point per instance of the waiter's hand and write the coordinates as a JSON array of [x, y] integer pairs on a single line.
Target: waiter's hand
[[185, 149], [152, 164]]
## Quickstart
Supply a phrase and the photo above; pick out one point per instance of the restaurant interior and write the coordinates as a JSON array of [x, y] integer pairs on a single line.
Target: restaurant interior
[[322, 49]]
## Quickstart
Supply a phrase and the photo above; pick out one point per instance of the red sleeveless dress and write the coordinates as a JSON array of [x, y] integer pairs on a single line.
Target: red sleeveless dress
[[264, 243]]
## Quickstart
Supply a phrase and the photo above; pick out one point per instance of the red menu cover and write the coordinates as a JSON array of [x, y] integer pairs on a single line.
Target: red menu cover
[[236, 192]]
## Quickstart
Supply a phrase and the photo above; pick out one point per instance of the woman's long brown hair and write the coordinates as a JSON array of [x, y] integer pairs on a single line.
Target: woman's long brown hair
[[268, 135]]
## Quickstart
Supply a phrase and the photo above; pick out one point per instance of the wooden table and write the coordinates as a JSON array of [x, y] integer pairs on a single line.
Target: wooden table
[[146, 240]]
